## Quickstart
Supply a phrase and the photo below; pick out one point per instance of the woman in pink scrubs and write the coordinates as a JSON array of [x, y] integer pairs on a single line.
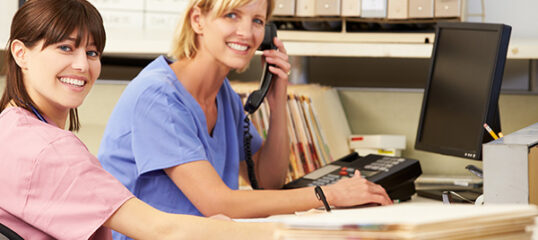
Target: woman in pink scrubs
[[52, 187]]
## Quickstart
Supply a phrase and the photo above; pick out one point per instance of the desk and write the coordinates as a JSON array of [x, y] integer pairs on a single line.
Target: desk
[[417, 199], [419, 218]]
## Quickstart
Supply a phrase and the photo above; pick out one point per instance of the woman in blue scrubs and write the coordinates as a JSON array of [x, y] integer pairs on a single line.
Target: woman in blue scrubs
[[175, 137]]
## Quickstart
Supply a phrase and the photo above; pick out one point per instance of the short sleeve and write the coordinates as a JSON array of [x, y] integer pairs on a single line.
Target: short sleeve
[[70, 194], [164, 133]]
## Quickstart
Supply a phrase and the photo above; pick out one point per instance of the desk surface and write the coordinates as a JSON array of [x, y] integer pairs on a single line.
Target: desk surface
[[393, 220]]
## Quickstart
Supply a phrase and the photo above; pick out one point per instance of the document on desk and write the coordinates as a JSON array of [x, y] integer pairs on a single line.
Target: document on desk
[[411, 221]]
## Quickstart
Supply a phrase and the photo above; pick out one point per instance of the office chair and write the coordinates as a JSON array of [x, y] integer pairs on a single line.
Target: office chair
[[6, 233]]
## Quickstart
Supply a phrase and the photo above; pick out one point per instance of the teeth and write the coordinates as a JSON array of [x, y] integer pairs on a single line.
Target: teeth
[[75, 82], [237, 46]]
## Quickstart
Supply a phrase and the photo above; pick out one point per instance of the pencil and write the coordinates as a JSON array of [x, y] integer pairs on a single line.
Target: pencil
[[486, 126], [500, 134]]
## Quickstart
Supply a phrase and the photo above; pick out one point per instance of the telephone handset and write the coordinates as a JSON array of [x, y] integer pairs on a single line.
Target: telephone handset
[[256, 98]]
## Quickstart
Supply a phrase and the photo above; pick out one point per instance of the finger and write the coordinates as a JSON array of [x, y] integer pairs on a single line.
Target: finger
[[280, 63], [377, 189], [381, 191], [357, 173], [276, 54], [380, 199], [278, 72], [280, 45]]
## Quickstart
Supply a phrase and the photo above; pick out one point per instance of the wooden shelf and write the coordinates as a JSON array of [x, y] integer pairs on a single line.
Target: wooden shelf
[[305, 43], [401, 45]]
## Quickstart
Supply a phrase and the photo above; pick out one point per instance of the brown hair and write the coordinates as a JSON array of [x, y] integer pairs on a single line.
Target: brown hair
[[52, 21], [184, 43]]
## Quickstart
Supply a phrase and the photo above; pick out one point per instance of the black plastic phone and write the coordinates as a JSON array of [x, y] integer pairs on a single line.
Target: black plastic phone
[[396, 174], [256, 98]]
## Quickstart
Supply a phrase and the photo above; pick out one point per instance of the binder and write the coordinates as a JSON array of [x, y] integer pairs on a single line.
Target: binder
[[447, 8], [284, 8], [420, 8], [398, 9], [351, 8], [305, 8], [328, 7]]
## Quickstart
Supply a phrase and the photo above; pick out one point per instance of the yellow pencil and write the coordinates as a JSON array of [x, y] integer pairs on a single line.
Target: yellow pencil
[[486, 126], [500, 134]]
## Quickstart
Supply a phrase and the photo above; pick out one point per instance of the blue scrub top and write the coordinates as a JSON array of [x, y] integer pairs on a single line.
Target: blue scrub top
[[157, 124]]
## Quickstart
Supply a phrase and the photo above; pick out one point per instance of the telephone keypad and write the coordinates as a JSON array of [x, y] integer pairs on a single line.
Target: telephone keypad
[[383, 164]]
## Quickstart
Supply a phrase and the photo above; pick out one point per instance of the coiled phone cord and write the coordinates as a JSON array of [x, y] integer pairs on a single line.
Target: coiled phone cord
[[247, 137]]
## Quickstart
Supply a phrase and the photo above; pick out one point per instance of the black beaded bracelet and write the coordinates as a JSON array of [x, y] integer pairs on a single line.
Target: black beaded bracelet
[[321, 196]]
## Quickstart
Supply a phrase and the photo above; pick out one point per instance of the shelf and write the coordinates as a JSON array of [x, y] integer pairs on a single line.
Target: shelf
[[401, 45], [405, 45], [321, 44]]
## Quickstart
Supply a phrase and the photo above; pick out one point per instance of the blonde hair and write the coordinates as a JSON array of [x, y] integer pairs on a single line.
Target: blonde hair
[[184, 42]]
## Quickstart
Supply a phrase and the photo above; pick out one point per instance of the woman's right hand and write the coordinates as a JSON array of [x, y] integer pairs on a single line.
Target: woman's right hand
[[355, 191]]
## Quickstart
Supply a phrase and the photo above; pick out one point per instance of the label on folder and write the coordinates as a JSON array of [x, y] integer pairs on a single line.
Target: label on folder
[[377, 141]]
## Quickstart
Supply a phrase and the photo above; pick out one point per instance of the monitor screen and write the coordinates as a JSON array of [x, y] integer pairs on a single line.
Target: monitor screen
[[462, 93]]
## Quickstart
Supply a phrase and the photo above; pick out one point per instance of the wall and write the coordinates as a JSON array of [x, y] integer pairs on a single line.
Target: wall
[[397, 112], [7, 9], [520, 14], [369, 111]]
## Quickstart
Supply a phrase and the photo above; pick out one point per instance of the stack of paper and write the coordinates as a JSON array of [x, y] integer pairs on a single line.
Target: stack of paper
[[413, 221], [381, 144]]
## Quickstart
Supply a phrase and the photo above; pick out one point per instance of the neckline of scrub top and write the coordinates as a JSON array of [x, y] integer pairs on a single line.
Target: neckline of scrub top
[[199, 113]]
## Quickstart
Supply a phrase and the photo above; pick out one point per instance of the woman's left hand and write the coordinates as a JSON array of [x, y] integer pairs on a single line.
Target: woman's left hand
[[281, 70]]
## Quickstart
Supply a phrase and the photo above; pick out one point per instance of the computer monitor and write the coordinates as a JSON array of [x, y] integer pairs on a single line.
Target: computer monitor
[[467, 66]]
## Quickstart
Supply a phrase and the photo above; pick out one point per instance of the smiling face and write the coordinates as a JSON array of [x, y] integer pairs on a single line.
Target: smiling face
[[59, 76], [232, 38]]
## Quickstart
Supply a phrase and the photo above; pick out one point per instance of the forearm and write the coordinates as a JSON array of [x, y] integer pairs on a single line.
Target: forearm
[[140, 221], [263, 203], [273, 161]]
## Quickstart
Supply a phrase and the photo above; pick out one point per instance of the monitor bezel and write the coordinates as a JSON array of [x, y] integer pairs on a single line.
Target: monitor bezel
[[492, 113]]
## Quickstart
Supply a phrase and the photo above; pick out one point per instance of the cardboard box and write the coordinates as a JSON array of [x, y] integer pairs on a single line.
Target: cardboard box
[[170, 6], [398, 9], [511, 168], [351, 8], [116, 19], [447, 8], [374, 8], [161, 21], [305, 8], [284, 8], [420, 8], [328, 7], [118, 4]]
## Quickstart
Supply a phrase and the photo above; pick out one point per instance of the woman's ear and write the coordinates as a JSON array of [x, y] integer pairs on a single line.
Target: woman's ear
[[18, 51], [197, 20]]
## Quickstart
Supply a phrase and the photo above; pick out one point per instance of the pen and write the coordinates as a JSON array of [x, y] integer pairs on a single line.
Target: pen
[[486, 126], [321, 196]]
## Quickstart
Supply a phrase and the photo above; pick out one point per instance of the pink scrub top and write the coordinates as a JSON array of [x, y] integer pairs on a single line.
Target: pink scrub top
[[51, 186]]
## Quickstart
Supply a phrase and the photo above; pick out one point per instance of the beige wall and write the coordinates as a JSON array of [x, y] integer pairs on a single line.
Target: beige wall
[[368, 112], [95, 111], [397, 112]]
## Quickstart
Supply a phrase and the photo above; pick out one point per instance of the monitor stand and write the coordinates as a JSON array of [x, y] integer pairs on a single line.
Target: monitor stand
[[459, 189], [456, 196]]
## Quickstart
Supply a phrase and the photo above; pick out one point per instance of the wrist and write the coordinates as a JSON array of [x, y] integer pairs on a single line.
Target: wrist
[[329, 194], [322, 197]]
